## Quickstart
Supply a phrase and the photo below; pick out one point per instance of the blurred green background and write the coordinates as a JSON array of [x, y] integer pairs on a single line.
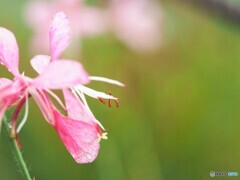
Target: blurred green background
[[178, 115]]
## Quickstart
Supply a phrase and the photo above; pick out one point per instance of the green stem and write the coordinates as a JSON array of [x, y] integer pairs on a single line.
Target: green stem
[[16, 151]]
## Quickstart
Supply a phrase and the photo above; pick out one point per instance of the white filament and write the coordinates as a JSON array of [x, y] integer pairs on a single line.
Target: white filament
[[92, 93], [103, 79], [43, 104], [56, 98], [24, 120], [80, 94], [98, 122]]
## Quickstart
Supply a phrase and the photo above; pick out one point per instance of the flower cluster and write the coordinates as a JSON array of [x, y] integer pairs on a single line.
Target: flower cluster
[[80, 131], [136, 23]]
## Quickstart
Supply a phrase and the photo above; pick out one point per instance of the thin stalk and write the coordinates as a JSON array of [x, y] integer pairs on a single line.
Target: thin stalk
[[16, 150]]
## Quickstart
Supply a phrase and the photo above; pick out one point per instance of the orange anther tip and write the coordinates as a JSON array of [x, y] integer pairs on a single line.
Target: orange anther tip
[[101, 100]]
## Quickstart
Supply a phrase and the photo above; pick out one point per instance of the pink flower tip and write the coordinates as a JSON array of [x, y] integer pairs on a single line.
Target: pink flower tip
[[80, 138]]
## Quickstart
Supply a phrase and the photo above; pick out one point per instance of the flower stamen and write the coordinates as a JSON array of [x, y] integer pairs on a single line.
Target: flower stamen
[[56, 98], [16, 113], [107, 80], [24, 120], [15, 117], [117, 103], [101, 100], [109, 101], [102, 136]]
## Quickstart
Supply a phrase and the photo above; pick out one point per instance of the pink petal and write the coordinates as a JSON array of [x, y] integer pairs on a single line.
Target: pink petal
[[5, 90], [4, 82], [11, 88], [11, 91], [61, 74], [40, 62], [80, 138], [76, 109], [59, 35], [9, 55]]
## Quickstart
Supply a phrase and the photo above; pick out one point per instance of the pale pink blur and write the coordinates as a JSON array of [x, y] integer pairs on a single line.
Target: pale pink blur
[[85, 20], [138, 24]]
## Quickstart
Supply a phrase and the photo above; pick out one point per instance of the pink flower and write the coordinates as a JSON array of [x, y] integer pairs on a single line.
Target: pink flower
[[56, 74], [79, 131]]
